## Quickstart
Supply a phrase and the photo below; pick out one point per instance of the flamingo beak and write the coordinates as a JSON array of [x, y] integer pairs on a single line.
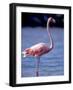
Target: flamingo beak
[[54, 21]]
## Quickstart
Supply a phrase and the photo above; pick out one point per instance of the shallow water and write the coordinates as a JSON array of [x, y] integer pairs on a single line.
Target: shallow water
[[52, 63]]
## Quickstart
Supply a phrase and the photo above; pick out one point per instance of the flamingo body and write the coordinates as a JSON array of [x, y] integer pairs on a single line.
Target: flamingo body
[[37, 50]]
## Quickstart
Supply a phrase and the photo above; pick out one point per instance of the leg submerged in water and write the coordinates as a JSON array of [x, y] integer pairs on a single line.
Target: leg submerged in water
[[37, 66]]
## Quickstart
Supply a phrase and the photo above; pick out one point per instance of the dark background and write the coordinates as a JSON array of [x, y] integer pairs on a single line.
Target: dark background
[[40, 19]]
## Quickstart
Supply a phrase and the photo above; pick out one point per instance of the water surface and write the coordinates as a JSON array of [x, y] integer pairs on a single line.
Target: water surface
[[52, 63]]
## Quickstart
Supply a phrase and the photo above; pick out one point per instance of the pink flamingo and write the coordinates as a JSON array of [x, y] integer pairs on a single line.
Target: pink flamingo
[[40, 48]]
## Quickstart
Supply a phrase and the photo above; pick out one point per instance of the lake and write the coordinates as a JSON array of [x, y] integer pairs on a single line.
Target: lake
[[52, 63]]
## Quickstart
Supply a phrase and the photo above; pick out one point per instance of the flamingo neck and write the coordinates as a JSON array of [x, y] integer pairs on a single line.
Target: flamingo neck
[[50, 37]]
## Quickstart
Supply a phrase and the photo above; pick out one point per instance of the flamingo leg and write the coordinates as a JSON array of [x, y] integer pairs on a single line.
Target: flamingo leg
[[37, 66]]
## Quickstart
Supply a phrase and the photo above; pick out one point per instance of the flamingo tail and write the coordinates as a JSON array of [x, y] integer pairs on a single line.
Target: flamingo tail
[[24, 54]]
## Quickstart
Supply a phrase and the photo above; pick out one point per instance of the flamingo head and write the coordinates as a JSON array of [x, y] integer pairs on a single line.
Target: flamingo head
[[51, 21]]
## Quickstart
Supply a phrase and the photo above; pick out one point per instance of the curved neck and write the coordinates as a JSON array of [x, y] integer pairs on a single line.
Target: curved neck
[[49, 34]]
